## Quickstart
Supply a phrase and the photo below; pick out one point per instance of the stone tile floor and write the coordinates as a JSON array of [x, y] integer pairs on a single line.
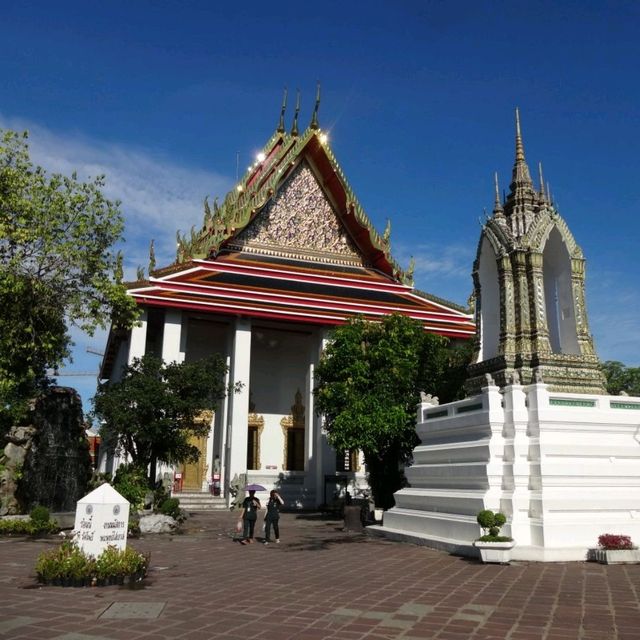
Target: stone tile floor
[[319, 583]]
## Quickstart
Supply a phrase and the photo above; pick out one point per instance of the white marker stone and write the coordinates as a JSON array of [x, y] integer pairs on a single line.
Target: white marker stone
[[102, 519]]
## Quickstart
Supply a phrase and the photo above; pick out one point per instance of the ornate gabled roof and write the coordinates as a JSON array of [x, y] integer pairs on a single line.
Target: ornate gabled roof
[[303, 291], [284, 157]]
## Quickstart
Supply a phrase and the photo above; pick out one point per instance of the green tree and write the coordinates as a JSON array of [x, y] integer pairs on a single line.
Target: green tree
[[152, 412], [367, 387], [57, 269], [621, 378]]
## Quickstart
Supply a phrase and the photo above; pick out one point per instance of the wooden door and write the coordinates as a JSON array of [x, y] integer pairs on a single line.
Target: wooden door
[[193, 473]]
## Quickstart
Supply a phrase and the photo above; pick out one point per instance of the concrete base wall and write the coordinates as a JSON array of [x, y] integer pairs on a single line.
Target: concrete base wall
[[562, 468]]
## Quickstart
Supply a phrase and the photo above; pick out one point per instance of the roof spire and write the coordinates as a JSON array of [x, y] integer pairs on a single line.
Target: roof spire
[[314, 119], [280, 128], [294, 127], [542, 194], [497, 206], [519, 145], [152, 257], [520, 176]]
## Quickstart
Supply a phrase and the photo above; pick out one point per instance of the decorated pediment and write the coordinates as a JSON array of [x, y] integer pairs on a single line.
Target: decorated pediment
[[300, 222]]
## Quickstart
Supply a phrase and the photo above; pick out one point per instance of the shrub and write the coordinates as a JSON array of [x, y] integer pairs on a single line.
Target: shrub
[[39, 515], [10, 527], [491, 523], [171, 507], [16, 527], [98, 478], [108, 563], [68, 562], [131, 483], [612, 541], [133, 528], [160, 494]]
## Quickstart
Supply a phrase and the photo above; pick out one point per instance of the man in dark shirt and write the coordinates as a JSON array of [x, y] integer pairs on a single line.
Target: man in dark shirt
[[273, 516]]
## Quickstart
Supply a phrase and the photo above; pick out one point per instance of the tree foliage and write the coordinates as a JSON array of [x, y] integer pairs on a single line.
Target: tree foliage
[[367, 387], [621, 378], [57, 269], [152, 412]]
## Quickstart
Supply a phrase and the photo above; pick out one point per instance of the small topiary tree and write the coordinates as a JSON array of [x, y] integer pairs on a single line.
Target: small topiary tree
[[491, 523], [39, 515]]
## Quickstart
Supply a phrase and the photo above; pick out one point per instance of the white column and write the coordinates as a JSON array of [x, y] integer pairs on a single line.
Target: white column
[[492, 400], [221, 424], [138, 338], [516, 427], [173, 345], [309, 441], [309, 436], [239, 402], [318, 425]]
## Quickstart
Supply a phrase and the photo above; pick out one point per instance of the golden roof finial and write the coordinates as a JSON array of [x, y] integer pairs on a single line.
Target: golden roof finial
[[294, 128], [280, 128], [314, 118], [519, 145]]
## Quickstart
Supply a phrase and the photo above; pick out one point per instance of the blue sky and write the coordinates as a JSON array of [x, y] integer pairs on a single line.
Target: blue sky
[[417, 97]]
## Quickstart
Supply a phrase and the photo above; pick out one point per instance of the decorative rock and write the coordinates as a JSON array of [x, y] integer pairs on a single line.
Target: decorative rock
[[53, 439], [157, 523]]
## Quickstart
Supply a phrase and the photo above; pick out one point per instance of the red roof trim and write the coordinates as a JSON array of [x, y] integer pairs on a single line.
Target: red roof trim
[[322, 319], [306, 302]]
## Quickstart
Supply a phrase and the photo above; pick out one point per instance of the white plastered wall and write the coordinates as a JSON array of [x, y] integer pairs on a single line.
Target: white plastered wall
[[562, 467]]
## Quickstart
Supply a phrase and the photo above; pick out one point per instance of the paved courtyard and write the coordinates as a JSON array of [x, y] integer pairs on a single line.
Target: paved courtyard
[[319, 583]]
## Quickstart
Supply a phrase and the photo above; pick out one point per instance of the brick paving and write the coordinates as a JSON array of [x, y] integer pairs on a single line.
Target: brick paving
[[320, 583]]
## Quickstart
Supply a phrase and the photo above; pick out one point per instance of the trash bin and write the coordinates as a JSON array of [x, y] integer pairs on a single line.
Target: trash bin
[[352, 518]]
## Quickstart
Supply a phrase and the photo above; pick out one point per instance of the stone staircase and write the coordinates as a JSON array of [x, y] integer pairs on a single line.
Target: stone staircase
[[199, 501]]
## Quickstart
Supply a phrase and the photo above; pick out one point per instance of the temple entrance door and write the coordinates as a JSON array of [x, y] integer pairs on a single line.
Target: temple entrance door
[[293, 427], [193, 473], [295, 449]]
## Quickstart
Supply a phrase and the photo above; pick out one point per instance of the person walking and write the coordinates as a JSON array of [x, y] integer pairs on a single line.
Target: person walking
[[250, 506], [272, 517]]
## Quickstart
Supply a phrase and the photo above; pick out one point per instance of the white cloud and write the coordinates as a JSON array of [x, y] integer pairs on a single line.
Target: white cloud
[[440, 269], [437, 259], [158, 195]]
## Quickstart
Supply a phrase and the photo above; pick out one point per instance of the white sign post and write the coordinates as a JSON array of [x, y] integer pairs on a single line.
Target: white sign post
[[102, 520]]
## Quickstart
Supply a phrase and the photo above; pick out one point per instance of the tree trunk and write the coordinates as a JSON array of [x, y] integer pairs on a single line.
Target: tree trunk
[[152, 471]]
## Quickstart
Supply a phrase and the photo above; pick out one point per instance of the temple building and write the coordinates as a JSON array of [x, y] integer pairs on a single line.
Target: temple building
[[288, 255]]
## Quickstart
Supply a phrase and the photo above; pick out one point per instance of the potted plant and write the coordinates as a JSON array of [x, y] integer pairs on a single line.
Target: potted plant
[[616, 549], [492, 546]]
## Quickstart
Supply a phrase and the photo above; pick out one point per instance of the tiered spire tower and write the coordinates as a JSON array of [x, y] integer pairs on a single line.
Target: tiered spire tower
[[529, 291]]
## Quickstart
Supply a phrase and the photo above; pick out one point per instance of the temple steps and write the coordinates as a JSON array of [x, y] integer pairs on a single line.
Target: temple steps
[[199, 501]]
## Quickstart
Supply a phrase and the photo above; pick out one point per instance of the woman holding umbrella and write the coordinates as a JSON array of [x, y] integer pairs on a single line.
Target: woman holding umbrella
[[250, 506]]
